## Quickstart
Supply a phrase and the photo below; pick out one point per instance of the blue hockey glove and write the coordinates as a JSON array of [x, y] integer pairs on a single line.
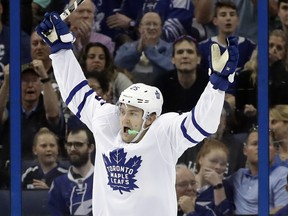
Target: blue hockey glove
[[55, 32], [222, 67]]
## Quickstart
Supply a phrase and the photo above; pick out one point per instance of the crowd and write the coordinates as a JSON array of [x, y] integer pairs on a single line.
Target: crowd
[[161, 43]]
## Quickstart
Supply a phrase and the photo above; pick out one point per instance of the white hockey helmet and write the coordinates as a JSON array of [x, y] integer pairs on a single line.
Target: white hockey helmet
[[145, 97]]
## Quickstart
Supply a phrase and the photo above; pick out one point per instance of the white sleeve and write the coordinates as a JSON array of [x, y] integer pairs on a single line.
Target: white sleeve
[[74, 89], [192, 127]]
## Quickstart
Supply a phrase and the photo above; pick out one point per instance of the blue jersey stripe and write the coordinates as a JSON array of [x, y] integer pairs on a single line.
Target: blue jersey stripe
[[75, 90], [81, 105], [197, 126], [184, 131]]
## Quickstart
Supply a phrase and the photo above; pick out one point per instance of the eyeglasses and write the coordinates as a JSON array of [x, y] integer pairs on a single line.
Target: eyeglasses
[[186, 184], [75, 144]]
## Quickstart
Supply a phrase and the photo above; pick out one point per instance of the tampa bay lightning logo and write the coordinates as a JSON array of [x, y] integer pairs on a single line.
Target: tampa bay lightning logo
[[121, 174]]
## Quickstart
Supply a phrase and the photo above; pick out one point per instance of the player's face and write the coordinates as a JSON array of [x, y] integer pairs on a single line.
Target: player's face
[[216, 160], [39, 49], [283, 13], [185, 57], [46, 149], [130, 119], [95, 59], [226, 20]]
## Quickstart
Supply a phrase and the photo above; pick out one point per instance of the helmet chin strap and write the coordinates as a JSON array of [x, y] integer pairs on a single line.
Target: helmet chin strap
[[141, 131]]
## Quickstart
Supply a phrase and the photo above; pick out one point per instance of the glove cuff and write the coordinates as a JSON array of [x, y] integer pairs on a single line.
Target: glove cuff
[[219, 81], [59, 45]]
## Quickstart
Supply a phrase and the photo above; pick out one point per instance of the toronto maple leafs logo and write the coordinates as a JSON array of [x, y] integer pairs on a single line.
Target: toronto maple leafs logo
[[121, 174]]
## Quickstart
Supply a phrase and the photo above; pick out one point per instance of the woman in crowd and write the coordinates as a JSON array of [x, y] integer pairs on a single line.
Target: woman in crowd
[[215, 195], [47, 167], [97, 59], [278, 122]]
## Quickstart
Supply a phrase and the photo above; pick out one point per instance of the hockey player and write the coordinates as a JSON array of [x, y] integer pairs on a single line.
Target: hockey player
[[137, 147]]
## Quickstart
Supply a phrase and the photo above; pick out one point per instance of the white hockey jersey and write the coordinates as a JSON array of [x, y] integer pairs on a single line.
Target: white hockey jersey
[[134, 179]]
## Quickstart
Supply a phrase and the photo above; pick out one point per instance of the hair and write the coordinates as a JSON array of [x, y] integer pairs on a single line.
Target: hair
[[187, 38], [279, 112], [281, 1], [252, 65], [101, 78], [224, 3], [151, 11], [109, 63], [110, 69], [84, 128], [209, 145], [281, 34], [44, 131]]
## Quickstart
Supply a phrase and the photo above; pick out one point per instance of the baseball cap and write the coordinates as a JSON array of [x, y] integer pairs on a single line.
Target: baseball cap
[[28, 68]]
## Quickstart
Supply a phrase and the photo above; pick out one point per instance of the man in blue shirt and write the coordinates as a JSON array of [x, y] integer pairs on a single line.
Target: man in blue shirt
[[245, 180]]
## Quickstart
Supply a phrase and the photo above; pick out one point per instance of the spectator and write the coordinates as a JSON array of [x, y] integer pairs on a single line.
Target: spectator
[[283, 211], [40, 51], [247, 13], [134, 141], [278, 122], [81, 24], [71, 194], [96, 59], [5, 45], [245, 180], [176, 15], [282, 6], [149, 57], [215, 195], [46, 150], [278, 67], [38, 110], [185, 189], [226, 19], [182, 87], [246, 94]]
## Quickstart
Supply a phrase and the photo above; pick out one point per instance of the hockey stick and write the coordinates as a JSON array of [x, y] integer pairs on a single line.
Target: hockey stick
[[67, 12], [70, 9]]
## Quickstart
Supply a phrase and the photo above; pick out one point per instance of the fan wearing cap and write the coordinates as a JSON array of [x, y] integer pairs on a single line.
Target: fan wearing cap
[[137, 147], [40, 106]]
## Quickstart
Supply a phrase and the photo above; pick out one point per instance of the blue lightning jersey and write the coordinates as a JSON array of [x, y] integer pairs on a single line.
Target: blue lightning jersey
[[131, 177], [71, 196]]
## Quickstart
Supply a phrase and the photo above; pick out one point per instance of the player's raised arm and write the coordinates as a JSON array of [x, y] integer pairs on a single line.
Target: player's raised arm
[[222, 67], [72, 83], [204, 119]]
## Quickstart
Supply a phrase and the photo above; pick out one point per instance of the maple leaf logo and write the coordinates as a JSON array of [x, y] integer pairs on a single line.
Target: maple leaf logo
[[121, 173]]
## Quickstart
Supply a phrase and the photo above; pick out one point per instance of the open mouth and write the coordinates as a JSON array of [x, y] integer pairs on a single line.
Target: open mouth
[[228, 25], [125, 130]]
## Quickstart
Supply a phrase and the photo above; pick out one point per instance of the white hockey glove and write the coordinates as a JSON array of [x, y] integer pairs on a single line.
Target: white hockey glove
[[55, 32], [222, 67]]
